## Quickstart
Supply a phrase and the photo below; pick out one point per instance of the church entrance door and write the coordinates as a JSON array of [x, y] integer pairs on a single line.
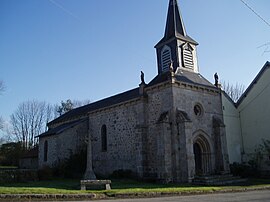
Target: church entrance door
[[198, 158], [202, 156]]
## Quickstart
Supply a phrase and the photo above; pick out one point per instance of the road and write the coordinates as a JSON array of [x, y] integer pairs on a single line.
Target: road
[[251, 196]]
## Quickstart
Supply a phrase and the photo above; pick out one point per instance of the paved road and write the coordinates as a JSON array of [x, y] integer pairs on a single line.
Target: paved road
[[251, 196]]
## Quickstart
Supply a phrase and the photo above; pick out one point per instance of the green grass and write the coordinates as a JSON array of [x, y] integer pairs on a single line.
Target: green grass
[[118, 187]]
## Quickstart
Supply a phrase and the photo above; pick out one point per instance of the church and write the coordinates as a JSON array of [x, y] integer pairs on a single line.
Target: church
[[169, 130]]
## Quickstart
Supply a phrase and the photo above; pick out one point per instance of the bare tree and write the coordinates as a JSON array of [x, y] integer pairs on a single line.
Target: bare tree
[[234, 91], [29, 120], [1, 123]]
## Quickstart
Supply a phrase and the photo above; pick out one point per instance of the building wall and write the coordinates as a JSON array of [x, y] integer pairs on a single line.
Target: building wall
[[254, 114], [28, 163], [233, 129], [123, 138], [62, 145], [170, 146], [157, 142], [185, 98]]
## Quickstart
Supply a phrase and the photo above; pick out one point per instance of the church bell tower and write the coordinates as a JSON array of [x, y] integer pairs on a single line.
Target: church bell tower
[[176, 46]]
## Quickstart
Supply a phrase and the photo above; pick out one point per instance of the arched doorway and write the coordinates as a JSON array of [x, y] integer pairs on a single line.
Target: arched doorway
[[198, 158], [202, 155]]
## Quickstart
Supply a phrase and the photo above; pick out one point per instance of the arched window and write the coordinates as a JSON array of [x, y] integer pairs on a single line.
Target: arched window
[[104, 138], [166, 58], [45, 151]]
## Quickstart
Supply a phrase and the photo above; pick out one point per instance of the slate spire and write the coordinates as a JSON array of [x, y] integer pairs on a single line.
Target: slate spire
[[176, 46], [174, 24]]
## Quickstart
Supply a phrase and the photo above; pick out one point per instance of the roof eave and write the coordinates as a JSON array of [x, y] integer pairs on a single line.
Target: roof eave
[[255, 80]]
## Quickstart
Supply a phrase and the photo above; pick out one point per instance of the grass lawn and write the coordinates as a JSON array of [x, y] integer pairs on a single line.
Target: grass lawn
[[118, 187]]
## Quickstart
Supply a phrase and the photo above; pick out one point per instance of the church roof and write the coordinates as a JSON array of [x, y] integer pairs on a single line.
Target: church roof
[[81, 111], [175, 27], [259, 75], [61, 128], [183, 76]]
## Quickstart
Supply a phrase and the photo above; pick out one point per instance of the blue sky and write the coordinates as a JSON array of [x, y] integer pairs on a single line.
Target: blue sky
[[53, 50]]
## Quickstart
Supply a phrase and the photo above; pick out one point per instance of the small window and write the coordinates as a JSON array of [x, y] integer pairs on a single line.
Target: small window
[[46, 151], [198, 110], [104, 138], [166, 58]]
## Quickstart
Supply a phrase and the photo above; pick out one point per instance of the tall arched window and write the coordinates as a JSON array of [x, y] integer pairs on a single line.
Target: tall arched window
[[166, 58], [104, 138], [45, 151]]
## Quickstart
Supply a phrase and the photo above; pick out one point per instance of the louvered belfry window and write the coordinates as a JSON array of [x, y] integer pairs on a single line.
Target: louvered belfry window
[[166, 58], [188, 57]]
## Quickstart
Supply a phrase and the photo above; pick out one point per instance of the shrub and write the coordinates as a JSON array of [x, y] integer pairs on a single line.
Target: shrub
[[244, 170]]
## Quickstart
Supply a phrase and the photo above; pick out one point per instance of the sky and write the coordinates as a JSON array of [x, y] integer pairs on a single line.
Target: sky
[[53, 50]]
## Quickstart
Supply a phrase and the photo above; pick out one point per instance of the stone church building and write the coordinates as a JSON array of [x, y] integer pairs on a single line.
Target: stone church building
[[170, 129]]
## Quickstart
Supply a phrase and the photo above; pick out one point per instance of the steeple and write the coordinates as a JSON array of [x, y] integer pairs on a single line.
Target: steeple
[[174, 25], [176, 46]]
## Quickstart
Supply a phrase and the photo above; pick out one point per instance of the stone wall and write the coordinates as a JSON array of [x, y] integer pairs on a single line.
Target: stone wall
[[158, 132], [124, 132], [202, 126], [170, 155], [28, 163], [62, 145]]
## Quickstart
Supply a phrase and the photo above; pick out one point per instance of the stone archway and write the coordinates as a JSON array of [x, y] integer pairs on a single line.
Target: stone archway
[[198, 158], [202, 155]]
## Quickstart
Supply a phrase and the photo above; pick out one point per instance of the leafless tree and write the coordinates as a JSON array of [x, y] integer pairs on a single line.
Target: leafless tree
[[29, 120], [1, 123], [234, 91]]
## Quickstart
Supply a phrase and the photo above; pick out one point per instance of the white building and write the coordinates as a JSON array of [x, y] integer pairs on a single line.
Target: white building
[[248, 121]]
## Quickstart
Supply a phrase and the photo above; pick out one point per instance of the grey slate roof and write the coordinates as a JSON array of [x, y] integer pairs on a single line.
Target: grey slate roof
[[183, 76], [81, 111], [61, 128], [266, 65]]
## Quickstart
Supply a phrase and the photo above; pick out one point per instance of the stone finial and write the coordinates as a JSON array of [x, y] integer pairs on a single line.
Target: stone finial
[[171, 68], [172, 74], [142, 84], [142, 78], [216, 79]]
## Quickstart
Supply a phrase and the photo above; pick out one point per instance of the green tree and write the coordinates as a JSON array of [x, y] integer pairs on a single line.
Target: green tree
[[68, 105], [10, 153], [65, 107]]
